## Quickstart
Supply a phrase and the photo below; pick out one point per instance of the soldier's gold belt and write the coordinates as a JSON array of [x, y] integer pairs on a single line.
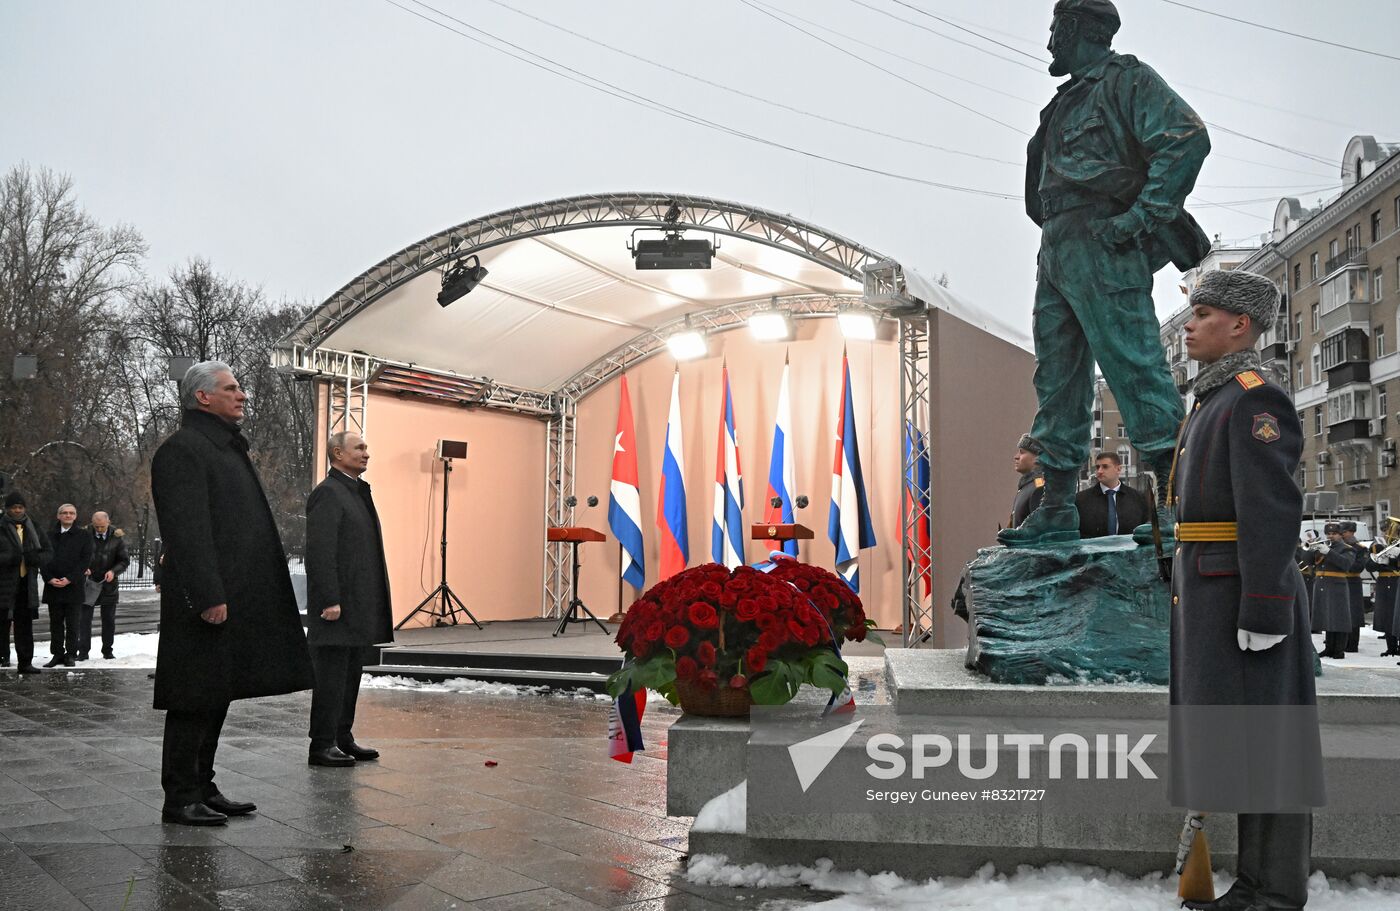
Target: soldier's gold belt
[[1328, 574], [1390, 575], [1207, 531]]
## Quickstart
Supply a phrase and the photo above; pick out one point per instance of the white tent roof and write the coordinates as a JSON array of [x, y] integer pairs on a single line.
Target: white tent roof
[[562, 290]]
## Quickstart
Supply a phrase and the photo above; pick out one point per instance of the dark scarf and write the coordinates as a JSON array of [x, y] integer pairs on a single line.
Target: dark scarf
[[1217, 374]]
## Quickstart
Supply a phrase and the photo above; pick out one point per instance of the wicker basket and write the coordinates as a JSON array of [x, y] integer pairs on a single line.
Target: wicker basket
[[720, 702]]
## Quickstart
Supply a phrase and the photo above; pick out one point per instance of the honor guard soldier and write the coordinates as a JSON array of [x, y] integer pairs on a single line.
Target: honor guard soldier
[[1031, 488], [1356, 597], [1243, 734], [1331, 598], [1384, 561]]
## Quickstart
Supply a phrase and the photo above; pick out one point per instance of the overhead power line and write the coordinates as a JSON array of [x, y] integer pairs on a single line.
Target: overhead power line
[[592, 82], [924, 28], [1280, 31], [747, 94], [924, 12]]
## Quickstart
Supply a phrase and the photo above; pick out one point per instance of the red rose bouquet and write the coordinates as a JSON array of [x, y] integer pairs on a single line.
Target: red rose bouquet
[[764, 632]]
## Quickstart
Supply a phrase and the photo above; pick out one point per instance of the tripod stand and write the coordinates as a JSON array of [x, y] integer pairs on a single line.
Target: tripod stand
[[445, 605], [574, 537]]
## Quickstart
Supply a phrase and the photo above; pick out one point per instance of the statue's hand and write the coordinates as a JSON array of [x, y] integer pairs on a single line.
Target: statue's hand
[[1120, 230]]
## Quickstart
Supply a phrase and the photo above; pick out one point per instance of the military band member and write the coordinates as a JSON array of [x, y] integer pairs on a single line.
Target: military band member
[[1356, 596], [1240, 648], [1384, 562], [1331, 595], [1031, 488]]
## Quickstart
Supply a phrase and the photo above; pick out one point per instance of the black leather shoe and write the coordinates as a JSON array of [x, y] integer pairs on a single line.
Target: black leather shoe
[[4, 662], [1233, 900], [55, 661], [192, 814], [26, 669], [355, 751], [83, 656], [69, 662], [108, 654], [221, 804], [330, 756]]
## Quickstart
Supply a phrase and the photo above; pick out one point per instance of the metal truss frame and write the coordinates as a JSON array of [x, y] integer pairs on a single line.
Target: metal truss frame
[[637, 210], [915, 396], [560, 448]]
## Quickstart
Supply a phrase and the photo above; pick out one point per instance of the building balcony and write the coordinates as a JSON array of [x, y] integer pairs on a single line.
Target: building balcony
[[1348, 373], [1356, 314], [1278, 351], [1346, 431], [1342, 260]]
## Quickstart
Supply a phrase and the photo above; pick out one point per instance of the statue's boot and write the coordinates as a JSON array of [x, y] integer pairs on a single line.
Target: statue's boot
[[1160, 463], [1055, 521]]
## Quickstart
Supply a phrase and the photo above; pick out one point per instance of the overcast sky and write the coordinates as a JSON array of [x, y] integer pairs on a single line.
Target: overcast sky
[[295, 143]]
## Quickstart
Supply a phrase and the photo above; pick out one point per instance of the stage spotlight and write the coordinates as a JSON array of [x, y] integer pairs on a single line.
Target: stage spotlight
[[460, 279], [771, 325], [858, 325], [687, 345], [671, 252]]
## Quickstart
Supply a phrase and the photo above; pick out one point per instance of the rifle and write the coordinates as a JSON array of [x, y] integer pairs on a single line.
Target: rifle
[[1193, 861]]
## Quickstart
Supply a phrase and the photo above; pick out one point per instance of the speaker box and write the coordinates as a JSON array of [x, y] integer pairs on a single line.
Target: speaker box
[[451, 449]]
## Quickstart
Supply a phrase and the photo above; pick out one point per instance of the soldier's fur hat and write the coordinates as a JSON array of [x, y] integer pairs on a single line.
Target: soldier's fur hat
[[1030, 444], [1332, 528], [1347, 526], [1237, 291]]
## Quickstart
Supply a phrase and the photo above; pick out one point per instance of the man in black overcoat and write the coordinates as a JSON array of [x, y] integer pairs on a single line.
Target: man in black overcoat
[[64, 578], [109, 560], [1243, 734], [347, 598], [229, 625], [1108, 506], [23, 550]]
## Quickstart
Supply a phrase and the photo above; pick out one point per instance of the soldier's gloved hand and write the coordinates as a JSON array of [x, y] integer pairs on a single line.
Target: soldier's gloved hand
[[1324, 548], [1256, 642], [1118, 230]]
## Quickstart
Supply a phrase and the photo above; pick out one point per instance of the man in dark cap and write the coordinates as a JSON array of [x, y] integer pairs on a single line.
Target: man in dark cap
[[1331, 596], [1356, 595], [1107, 175], [1243, 736], [1031, 487], [23, 551]]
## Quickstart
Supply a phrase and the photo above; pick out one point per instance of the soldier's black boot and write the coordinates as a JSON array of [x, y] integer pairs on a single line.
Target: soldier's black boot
[[1055, 521], [1160, 464]]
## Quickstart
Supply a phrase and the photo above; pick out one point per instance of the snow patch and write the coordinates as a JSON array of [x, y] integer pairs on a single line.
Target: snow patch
[[476, 688], [729, 812], [1067, 887]]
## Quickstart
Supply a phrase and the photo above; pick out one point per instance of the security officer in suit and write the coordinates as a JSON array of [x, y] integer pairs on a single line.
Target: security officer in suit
[[1331, 595], [1031, 488], [1356, 596], [1243, 734], [1384, 562], [1108, 506]]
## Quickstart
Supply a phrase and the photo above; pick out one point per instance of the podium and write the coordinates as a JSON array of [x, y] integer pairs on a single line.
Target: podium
[[574, 536], [780, 531]]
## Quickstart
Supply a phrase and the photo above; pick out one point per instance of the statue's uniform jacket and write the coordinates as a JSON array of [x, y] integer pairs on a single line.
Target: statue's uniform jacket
[[1237, 461], [1116, 140]]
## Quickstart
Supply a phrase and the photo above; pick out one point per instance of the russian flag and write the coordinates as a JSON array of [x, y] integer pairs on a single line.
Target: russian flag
[[625, 499], [848, 524], [780, 466], [625, 725], [670, 505], [727, 535], [916, 504]]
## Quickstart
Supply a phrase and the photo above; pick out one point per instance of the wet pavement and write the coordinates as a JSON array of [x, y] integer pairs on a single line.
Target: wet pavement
[[554, 824]]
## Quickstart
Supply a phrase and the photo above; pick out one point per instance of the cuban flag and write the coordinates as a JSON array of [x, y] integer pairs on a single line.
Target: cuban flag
[[916, 504], [625, 498], [848, 524], [727, 534], [625, 725], [670, 505], [780, 466]]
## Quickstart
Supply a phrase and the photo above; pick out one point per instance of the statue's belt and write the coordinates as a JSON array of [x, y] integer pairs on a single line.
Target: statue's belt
[[1207, 531], [1329, 574], [1066, 200]]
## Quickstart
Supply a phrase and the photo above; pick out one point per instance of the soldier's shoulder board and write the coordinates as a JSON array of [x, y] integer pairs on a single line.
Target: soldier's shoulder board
[[1249, 379], [1039, 482]]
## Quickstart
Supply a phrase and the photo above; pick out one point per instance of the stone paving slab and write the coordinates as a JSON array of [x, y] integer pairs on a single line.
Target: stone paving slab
[[554, 825]]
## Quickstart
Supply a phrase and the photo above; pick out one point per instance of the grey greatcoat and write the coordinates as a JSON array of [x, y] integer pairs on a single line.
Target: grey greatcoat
[[1230, 747], [1356, 594], [222, 547], [1331, 598], [345, 565], [1385, 592]]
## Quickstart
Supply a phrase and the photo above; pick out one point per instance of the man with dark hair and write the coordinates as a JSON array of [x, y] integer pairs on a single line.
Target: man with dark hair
[[1243, 734], [64, 577], [1334, 564], [1107, 176], [347, 598], [109, 560], [229, 626], [1356, 595], [23, 550], [1031, 487], [1108, 506]]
